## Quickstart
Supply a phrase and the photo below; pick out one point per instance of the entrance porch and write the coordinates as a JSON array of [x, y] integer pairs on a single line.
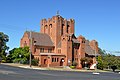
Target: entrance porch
[[51, 60]]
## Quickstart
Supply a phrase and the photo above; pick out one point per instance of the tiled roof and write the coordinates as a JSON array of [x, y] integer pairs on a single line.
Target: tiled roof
[[75, 41], [88, 49], [41, 38], [59, 45]]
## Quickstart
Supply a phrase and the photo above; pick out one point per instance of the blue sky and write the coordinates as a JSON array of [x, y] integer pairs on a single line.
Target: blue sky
[[94, 19]]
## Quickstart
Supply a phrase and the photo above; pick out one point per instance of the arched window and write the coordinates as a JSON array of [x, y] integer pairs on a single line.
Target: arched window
[[50, 25], [25, 43], [45, 61], [68, 28], [62, 29]]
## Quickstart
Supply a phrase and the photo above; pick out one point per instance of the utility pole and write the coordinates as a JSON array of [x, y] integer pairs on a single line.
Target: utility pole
[[30, 47], [95, 60]]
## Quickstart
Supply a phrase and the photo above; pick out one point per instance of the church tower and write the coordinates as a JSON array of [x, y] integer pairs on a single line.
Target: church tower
[[56, 27]]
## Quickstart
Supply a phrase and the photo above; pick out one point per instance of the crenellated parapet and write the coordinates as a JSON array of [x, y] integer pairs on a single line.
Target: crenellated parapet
[[63, 25]]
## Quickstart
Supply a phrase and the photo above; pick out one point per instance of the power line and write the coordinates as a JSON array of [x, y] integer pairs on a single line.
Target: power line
[[107, 51]]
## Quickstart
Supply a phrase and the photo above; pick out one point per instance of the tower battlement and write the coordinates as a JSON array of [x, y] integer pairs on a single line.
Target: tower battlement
[[55, 19], [65, 26]]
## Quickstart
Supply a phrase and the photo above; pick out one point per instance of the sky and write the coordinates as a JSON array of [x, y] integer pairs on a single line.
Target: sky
[[94, 19]]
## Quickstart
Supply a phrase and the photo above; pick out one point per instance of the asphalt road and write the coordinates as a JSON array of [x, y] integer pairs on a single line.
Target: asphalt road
[[13, 73]]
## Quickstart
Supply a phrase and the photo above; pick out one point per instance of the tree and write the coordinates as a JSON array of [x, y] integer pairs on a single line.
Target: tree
[[19, 55], [113, 68], [108, 61], [101, 52], [3, 47], [100, 62]]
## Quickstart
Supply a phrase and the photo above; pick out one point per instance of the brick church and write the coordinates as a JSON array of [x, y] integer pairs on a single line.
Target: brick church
[[56, 44]]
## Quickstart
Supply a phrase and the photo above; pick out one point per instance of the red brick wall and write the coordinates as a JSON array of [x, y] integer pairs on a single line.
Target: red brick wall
[[55, 32], [81, 39], [66, 49], [94, 45], [24, 39], [54, 27]]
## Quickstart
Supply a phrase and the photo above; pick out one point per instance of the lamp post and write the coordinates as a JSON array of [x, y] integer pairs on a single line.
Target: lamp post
[[95, 62], [31, 41]]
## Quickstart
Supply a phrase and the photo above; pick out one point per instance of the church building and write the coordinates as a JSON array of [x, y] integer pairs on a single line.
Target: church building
[[56, 45]]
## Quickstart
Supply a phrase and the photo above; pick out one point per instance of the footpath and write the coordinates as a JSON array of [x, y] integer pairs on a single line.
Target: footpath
[[49, 68]]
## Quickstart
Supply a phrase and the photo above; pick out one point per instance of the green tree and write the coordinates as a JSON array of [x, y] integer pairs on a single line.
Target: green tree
[[101, 52], [107, 60], [100, 62], [19, 55], [3, 47]]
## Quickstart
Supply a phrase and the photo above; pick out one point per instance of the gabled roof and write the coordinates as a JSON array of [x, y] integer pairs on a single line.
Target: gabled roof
[[89, 50], [75, 41], [72, 35], [41, 39]]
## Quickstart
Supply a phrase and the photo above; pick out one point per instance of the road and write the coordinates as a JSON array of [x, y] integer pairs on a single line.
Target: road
[[14, 73]]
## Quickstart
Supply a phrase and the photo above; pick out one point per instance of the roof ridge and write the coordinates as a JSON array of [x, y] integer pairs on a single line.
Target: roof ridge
[[36, 32]]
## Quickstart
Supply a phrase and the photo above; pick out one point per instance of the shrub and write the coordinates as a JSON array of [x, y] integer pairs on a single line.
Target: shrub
[[34, 62], [72, 67], [3, 61]]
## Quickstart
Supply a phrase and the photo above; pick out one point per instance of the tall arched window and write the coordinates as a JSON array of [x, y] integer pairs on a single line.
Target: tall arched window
[[62, 29], [67, 28]]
